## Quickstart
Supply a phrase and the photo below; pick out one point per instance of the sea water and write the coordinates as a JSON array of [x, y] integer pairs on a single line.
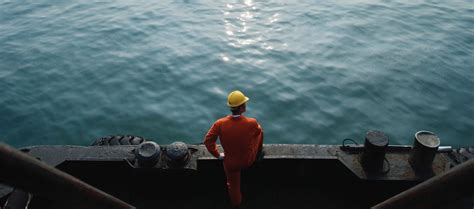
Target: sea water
[[316, 72]]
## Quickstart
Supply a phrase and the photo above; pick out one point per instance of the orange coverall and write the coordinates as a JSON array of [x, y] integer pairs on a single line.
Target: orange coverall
[[241, 137]]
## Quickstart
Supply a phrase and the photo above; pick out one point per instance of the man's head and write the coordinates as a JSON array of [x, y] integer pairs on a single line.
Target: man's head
[[237, 102]]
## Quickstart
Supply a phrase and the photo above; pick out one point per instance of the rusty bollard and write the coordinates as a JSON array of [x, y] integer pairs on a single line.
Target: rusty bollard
[[424, 149]]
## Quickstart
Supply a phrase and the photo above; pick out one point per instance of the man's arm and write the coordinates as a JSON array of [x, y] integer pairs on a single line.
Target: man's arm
[[211, 138], [260, 138], [258, 143]]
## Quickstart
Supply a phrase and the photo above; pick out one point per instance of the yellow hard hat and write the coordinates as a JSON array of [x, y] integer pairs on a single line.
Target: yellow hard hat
[[236, 98]]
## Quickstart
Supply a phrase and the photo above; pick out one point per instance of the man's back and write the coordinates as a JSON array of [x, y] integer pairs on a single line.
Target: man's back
[[241, 138]]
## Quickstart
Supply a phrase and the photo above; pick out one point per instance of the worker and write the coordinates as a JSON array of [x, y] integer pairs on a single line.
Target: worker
[[241, 139]]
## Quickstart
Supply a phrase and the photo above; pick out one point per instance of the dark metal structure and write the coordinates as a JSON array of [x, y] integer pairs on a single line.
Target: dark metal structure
[[448, 187], [187, 176], [22, 171]]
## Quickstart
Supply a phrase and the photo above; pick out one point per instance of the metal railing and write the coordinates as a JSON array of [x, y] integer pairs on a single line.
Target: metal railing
[[22, 171], [445, 188]]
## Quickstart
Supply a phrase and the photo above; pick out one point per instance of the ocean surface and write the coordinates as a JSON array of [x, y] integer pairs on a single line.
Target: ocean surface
[[316, 72]]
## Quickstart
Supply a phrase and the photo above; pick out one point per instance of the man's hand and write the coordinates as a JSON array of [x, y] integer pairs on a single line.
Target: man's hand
[[221, 156]]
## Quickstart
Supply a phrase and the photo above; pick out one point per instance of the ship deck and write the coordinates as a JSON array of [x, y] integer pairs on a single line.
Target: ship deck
[[290, 176]]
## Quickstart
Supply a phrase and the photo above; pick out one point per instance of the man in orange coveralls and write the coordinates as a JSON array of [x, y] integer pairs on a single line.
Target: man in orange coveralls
[[241, 138]]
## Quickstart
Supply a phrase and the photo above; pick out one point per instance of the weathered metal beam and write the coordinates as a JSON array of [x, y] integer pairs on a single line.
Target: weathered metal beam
[[442, 189], [29, 174]]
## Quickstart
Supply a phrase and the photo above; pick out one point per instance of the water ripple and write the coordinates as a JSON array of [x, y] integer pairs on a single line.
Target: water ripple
[[316, 72]]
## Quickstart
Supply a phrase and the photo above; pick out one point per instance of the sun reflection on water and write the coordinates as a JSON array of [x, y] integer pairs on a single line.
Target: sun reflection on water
[[246, 28]]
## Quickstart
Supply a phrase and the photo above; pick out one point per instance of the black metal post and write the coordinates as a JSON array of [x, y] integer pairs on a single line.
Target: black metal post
[[375, 146]]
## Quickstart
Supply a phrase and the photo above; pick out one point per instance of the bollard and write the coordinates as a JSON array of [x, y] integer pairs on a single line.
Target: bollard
[[177, 153], [148, 154], [374, 151], [424, 150]]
